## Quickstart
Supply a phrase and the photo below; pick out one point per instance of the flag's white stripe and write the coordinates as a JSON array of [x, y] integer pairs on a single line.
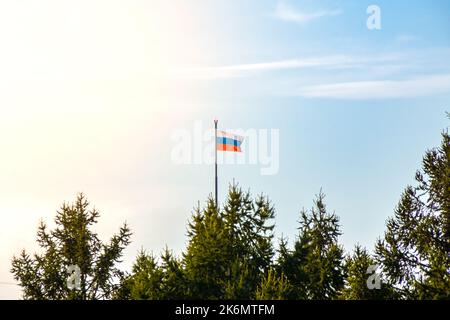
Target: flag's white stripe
[[223, 134]]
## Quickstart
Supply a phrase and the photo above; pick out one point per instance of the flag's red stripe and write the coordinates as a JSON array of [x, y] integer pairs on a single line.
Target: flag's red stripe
[[227, 147]]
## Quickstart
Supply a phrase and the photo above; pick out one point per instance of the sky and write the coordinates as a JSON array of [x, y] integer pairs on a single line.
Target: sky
[[102, 97]]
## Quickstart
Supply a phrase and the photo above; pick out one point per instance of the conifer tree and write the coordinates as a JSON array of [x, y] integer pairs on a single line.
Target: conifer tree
[[208, 254], [153, 280], [145, 282], [72, 243], [314, 267], [415, 249], [273, 287], [358, 267], [174, 284], [229, 251], [250, 232]]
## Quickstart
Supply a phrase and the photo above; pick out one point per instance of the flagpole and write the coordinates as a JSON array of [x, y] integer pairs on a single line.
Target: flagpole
[[215, 150]]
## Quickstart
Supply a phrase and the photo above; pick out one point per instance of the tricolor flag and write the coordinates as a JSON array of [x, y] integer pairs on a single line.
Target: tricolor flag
[[228, 142]]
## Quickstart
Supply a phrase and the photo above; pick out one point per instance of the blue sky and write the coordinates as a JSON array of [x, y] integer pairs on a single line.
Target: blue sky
[[361, 142], [93, 93]]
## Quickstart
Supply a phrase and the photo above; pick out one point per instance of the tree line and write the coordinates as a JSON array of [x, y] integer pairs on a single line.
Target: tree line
[[231, 252]]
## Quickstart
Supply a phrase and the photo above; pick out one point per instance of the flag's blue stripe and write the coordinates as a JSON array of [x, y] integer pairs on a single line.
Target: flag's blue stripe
[[229, 141]]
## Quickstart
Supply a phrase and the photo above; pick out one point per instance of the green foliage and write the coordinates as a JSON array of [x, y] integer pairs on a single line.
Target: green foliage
[[146, 280], [238, 281], [248, 227], [356, 288], [228, 251], [208, 254], [315, 266], [72, 242], [250, 235], [415, 250], [174, 284], [151, 280], [273, 287]]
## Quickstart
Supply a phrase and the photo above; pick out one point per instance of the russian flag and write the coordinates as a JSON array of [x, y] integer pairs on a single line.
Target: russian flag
[[228, 142]]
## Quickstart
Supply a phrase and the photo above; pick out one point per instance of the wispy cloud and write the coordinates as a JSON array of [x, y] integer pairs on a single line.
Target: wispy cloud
[[418, 86], [287, 13], [242, 70], [348, 76]]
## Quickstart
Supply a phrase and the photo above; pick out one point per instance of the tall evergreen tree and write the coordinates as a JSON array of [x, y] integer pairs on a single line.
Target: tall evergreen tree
[[72, 242], [356, 287], [153, 280], [273, 287], [208, 253], [174, 283], [415, 249], [145, 282], [229, 251], [315, 266], [250, 233]]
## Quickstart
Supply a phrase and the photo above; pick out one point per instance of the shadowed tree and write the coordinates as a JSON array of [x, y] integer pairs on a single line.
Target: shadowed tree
[[72, 242], [314, 267], [357, 276], [145, 282], [208, 253], [151, 280], [229, 251], [273, 287], [227, 255], [415, 249], [250, 236], [174, 284]]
